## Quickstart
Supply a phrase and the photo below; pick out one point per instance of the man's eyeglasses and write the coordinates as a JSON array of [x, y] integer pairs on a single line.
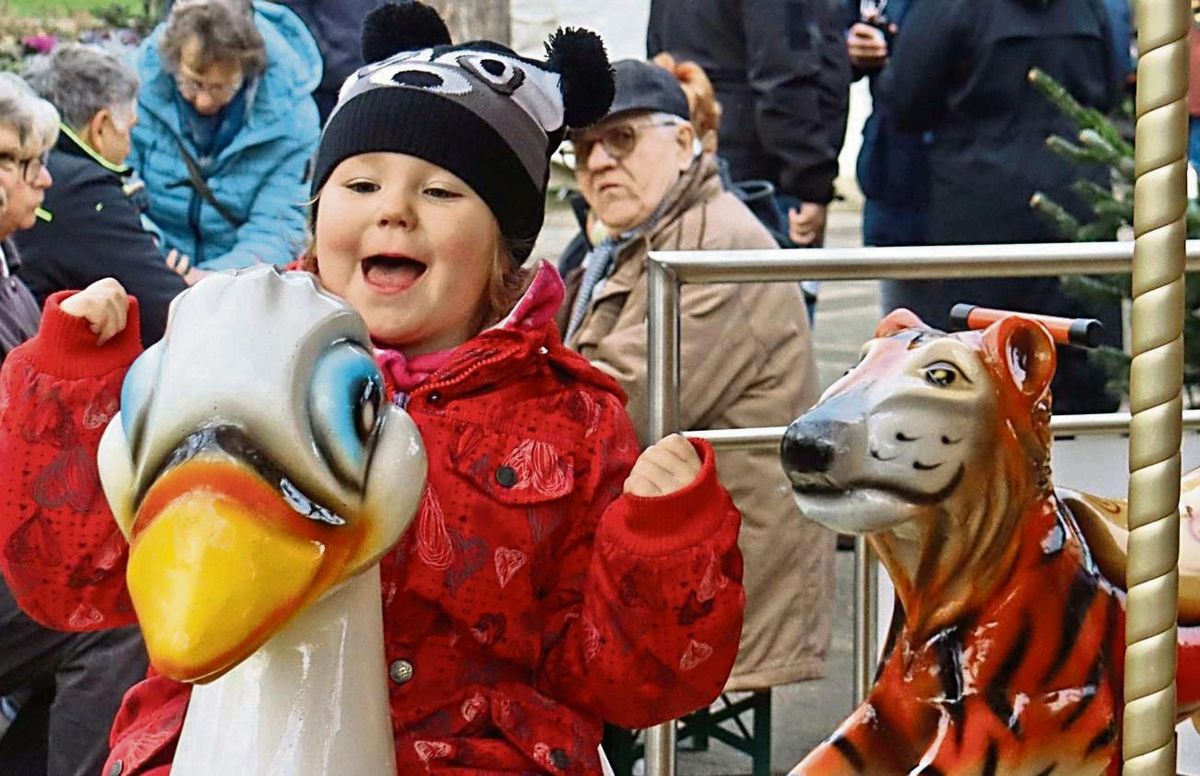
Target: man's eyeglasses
[[29, 169], [190, 87], [618, 141]]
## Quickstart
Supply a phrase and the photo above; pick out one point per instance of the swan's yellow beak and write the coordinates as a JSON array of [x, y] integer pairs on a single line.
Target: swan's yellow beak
[[219, 562]]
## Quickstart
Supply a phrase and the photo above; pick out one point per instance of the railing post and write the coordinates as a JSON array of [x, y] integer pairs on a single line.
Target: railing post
[[1155, 381], [663, 388], [866, 607]]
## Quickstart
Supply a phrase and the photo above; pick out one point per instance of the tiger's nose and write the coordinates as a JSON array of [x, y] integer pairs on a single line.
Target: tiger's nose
[[803, 452]]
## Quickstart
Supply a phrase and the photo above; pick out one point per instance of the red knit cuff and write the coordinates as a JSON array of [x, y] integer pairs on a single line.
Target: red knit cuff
[[661, 525], [65, 346]]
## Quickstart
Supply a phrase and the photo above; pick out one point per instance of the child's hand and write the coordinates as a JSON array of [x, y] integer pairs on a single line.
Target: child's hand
[[105, 306], [664, 468]]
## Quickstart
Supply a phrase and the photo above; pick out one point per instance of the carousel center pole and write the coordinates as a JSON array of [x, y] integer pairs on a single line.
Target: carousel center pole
[[1156, 378]]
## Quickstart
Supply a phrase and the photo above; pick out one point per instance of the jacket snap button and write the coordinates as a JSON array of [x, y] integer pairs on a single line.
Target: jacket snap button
[[506, 476], [401, 671], [116, 768]]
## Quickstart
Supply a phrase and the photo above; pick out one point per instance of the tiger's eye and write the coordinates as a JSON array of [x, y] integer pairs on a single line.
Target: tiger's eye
[[941, 376]]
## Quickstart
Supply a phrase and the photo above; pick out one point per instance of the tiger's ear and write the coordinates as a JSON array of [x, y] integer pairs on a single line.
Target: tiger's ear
[[1023, 352], [898, 320]]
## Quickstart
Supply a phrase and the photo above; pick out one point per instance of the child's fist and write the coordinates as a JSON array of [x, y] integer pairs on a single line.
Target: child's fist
[[664, 468], [104, 305]]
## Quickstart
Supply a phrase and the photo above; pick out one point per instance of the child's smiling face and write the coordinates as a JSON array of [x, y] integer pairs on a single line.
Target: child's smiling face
[[410, 246]]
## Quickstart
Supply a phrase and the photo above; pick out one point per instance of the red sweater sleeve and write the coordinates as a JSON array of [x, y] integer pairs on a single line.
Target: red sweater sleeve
[[61, 552], [650, 605]]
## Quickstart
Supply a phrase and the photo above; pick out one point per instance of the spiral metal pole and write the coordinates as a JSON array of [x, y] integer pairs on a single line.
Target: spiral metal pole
[[1156, 376]]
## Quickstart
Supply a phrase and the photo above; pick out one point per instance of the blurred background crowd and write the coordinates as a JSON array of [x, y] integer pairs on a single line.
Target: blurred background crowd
[[211, 111]]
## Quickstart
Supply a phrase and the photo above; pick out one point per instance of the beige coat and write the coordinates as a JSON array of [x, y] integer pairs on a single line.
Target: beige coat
[[746, 360]]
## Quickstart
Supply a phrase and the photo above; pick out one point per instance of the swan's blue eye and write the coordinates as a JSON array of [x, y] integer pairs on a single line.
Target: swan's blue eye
[[345, 399], [136, 393]]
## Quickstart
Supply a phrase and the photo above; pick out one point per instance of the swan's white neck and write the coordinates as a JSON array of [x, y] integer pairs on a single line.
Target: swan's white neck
[[313, 700]]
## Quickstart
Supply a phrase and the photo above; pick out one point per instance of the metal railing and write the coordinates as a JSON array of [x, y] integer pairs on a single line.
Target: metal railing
[[668, 271]]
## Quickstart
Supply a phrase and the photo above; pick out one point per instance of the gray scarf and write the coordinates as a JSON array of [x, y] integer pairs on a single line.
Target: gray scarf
[[601, 259]]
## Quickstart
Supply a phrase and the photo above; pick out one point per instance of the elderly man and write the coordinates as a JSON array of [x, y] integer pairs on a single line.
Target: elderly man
[[96, 201], [649, 186], [27, 129], [86, 672]]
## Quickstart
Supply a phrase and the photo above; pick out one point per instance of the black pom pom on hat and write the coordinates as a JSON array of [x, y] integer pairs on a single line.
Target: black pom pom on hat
[[578, 56], [404, 26]]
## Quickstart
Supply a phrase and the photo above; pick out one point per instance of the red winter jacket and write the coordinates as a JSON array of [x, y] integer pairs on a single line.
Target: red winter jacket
[[532, 599]]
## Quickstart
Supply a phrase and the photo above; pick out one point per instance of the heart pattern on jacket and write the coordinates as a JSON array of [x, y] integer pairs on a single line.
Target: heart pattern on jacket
[[508, 563]]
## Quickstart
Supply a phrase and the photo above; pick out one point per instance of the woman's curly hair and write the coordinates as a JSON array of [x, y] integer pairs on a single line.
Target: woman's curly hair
[[702, 98], [224, 31]]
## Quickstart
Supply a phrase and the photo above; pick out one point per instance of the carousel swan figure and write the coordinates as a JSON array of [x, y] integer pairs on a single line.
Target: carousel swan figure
[[259, 473]]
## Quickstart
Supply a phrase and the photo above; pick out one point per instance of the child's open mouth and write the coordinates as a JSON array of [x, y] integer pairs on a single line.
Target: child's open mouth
[[392, 274]]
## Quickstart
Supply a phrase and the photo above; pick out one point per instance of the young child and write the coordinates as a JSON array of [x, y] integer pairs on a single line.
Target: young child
[[553, 578]]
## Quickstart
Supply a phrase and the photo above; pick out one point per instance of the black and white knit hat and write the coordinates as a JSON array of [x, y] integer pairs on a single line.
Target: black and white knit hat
[[479, 110]]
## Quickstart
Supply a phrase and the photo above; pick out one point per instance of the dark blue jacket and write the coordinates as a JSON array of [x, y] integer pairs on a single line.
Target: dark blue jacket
[[1121, 32], [337, 26], [960, 70], [962, 74], [893, 166]]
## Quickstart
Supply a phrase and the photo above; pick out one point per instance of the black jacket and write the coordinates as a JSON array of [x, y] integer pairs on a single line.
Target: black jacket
[[337, 27], [95, 231], [782, 76], [960, 70]]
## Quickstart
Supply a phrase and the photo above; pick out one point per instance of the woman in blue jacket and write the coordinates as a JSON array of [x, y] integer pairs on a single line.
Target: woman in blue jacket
[[226, 130]]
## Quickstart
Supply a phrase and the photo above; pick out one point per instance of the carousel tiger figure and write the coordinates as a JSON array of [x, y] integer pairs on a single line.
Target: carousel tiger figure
[[1006, 650]]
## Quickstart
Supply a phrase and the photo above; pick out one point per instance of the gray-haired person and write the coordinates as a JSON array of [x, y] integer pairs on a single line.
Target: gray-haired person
[[28, 127], [96, 200], [75, 679], [227, 130]]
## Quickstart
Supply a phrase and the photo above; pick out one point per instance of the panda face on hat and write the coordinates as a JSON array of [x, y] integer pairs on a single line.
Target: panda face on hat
[[478, 110], [529, 84], [519, 97]]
